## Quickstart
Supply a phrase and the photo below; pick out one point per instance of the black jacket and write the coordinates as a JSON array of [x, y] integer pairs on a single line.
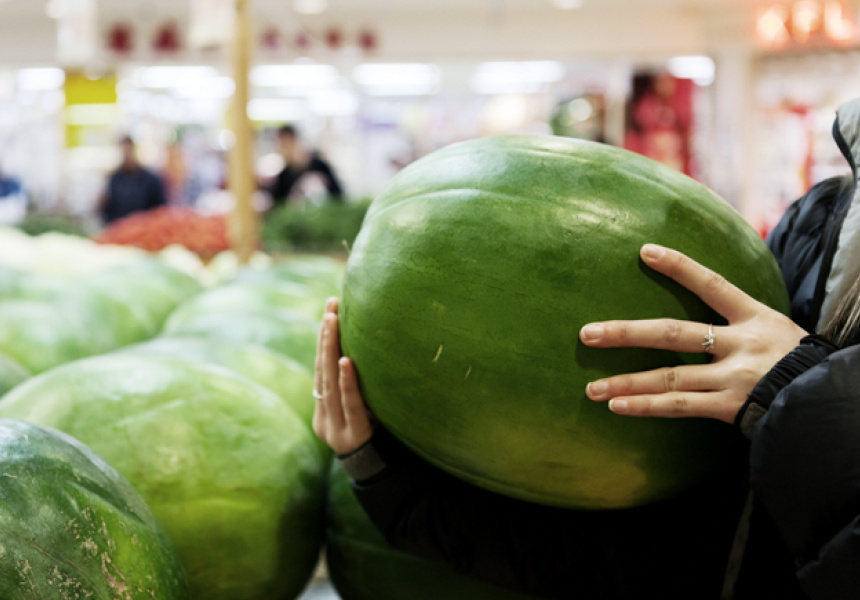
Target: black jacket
[[804, 416]]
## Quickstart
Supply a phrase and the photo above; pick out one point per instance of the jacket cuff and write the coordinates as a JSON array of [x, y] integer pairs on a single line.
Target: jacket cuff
[[812, 350], [362, 463]]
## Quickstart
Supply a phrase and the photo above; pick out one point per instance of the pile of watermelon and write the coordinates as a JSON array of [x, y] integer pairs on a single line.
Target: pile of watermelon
[[207, 419], [155, 433]]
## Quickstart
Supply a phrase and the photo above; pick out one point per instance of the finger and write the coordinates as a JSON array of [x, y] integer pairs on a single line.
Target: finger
[[660, 334], [688, 378], [330, 391], [354, 409], [331, 306], [711, 287], [713, 405]]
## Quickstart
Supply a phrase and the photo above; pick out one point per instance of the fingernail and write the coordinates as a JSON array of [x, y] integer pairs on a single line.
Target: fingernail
[[343, 363], [652, 252], [596, 389], [619, 407], [591, 333]]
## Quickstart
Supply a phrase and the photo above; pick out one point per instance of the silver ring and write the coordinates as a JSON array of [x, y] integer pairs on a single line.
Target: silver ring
[[710, 340], [317, 395]]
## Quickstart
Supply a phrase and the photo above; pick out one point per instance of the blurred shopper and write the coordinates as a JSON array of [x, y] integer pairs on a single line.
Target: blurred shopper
[[305, 172], [13, 200], [131, 187], [795, 395]]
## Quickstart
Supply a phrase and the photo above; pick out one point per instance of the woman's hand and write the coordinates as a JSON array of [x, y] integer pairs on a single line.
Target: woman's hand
[[340, 418], [755, 339]]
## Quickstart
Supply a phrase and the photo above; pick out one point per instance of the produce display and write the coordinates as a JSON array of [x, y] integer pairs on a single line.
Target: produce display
[[11, 374], [232, 473], [74, 528], [162, 227], [282, 315], [362, 565], [470, 280], [46, 321], [292, 381]]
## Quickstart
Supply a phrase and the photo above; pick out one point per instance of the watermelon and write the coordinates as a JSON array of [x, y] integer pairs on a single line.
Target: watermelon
[[258, 295], [322, 273], [231, 472], [470, 280], [149, 290], [285, 331], [75, 528], [46, 321], [362, 565], [11, 374], [292, 381]]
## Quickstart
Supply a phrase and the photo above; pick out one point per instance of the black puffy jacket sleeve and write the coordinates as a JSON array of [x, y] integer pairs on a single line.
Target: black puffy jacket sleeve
[[666, 548], [805, 469]]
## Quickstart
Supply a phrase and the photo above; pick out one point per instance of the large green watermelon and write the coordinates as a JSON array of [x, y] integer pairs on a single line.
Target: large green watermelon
[[363, 566], [228, 468], [72, 527], [468, 284]]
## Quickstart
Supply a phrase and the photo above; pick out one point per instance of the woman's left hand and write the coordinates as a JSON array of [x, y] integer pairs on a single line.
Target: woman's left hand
[[755, 339]]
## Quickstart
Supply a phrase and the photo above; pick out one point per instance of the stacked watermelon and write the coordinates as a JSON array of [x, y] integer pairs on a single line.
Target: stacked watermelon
[[75, 528], [210, 426], [46, 321]]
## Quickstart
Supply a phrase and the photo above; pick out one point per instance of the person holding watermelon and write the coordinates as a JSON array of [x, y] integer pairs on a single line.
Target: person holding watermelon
[[796, 395]]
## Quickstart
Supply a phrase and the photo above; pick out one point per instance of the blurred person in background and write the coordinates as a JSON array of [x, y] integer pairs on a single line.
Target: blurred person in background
[[305, 173], [13, 200], [131, 187], [781, 520]]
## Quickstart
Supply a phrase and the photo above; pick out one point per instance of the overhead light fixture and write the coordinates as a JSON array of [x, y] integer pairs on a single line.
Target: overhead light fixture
[[295, 79], [567, 4], [700, 69], [516, 77], [36, 80], [172, 77], [55, 9], [398, 79], [275, 110], [92, 114], [214, 88], [310, 7]]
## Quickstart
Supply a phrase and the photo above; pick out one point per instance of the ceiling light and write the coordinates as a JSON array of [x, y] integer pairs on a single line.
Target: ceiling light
[[567, 4], [310, 7], [516, 77], [398, 79], [34, 80], [698, 68], [295, 78], [268, 109], [172, 77]]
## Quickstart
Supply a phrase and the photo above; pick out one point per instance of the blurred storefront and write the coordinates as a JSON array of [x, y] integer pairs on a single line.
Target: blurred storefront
[[374, 86]]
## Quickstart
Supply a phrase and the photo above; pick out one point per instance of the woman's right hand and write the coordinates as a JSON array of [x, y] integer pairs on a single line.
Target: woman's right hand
[[340, 419]]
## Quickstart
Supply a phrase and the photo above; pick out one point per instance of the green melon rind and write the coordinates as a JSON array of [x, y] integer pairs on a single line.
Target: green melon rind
[[72, 527], [231, 472], [468, 284]]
